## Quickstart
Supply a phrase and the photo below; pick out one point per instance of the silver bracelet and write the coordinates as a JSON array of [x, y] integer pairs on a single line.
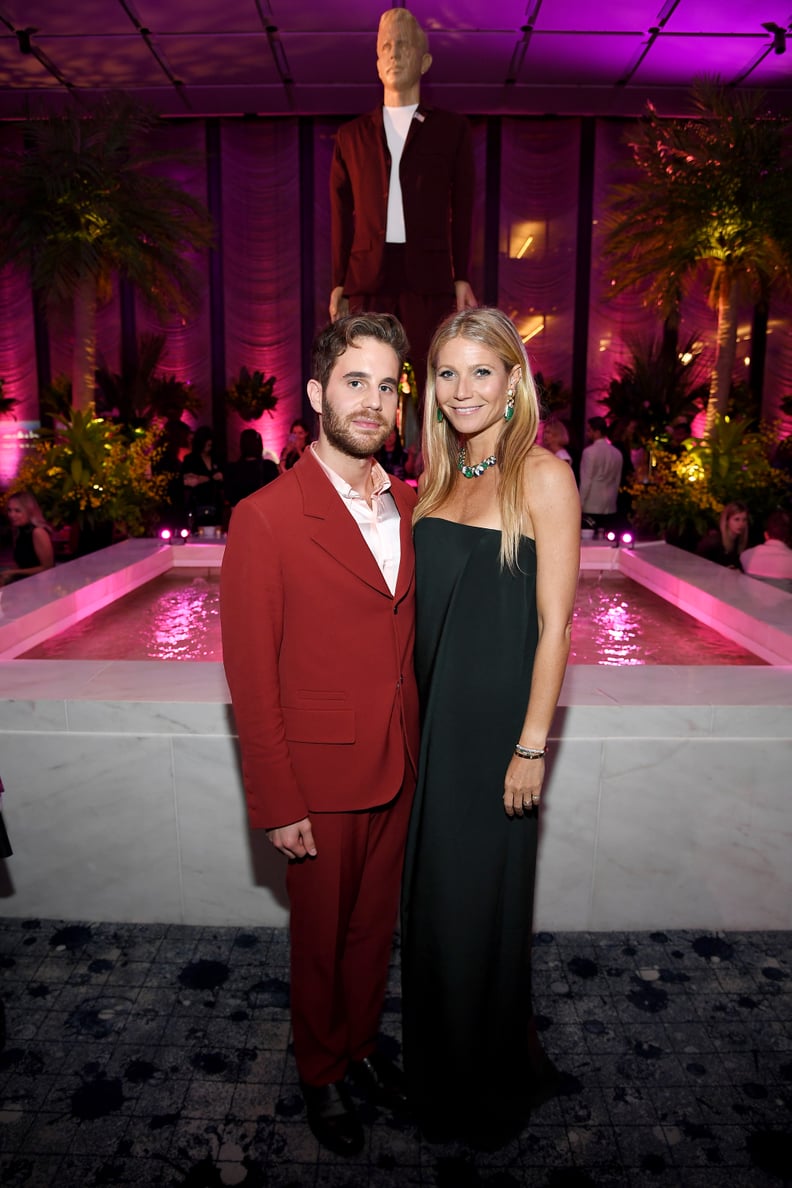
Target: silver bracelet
[[529, 752]]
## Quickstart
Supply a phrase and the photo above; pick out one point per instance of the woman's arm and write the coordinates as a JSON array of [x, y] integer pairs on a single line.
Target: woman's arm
[[553, 505]]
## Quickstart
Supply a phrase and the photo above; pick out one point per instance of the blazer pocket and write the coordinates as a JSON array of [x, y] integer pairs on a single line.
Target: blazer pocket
[[319, 725]]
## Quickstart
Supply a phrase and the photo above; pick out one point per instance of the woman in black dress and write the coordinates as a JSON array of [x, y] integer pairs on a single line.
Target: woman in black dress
[[724, 544], [203, 480], [32, 543], [497, 539]]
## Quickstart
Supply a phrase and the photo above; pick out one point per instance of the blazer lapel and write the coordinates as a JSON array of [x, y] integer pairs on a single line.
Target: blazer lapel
[[334, 529], [416, 123], [407, 556]]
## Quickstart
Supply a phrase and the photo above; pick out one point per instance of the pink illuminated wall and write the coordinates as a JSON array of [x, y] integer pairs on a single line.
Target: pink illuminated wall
[[187, 355], [261, 263], [261, 241]]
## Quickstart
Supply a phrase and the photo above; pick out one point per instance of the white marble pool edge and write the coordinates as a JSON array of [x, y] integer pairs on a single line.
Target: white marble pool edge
[[668, 801]]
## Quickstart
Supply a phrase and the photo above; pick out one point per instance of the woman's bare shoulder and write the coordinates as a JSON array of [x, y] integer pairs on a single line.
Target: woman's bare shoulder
[[546, 475]]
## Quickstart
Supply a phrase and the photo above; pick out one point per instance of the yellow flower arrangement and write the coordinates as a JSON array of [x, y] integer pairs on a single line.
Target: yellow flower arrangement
[[88, 471], [685, 493]]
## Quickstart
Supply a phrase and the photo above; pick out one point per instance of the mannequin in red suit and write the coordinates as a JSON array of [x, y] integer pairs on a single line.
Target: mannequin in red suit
[[317, 611], [401, 240]]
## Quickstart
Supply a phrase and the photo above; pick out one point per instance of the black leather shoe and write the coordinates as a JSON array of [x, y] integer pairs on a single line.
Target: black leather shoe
[[380, 1080], [332, 1118]]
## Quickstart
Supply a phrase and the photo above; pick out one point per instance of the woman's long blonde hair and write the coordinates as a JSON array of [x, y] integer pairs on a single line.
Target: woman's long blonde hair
[[494, 330], [740, 542]]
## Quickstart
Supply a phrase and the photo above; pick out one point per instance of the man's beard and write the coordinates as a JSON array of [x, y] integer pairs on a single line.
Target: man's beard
[[340, 434]]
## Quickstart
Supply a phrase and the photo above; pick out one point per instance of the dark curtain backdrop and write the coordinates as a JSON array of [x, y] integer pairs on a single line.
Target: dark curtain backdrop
[[265, 286]]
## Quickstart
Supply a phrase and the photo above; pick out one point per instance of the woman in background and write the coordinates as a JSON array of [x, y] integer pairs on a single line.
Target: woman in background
[[497, 541], [555, 438], [724, 544], [32, 543], [203, 480], [297, 441], [252, 471]]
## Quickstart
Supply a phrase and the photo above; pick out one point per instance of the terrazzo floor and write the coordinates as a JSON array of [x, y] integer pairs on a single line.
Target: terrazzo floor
[[160, 1055]]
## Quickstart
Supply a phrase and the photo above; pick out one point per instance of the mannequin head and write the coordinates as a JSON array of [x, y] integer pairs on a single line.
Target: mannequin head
[[402, 56]]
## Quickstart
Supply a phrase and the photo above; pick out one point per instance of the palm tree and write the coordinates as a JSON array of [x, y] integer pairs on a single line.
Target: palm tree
[[712, 198], [83, 201]]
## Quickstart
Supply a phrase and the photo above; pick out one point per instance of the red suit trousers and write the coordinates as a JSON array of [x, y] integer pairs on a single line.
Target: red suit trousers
[[343, 914]]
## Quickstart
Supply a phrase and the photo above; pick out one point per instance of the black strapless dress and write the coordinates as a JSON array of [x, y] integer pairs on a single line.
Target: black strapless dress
[[472, 1058]]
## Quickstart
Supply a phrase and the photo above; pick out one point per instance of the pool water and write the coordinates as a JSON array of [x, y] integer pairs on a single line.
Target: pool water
[[177, 617]]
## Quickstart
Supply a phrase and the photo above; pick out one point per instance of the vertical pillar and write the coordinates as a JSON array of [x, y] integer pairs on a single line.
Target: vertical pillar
[[307, 257], [214, 202], [756, 371], [583, 275], [492, 184]]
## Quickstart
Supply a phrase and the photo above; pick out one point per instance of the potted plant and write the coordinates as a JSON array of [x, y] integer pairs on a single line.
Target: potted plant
[[683, 494], [251, 395], [655, 387], [7, 403], [88, 474], [138, 394]]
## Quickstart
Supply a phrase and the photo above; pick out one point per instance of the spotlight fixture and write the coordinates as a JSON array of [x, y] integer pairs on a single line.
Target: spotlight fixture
[[779, 36], [614, 540], [165, 534]]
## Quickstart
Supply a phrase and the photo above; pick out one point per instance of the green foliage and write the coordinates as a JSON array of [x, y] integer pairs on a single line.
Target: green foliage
[[7, 403], [686, 492], [251, 395], [711, 198], [86, 471], [655, 388], [712, 191], [84, 198], [139, 393], [555, 399]]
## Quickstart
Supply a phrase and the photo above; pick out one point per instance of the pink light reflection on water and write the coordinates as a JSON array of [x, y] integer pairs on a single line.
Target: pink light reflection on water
[[177, 617], [618, 622]]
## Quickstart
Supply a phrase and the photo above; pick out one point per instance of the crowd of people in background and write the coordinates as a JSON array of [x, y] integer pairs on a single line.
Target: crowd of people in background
[[203, 488]]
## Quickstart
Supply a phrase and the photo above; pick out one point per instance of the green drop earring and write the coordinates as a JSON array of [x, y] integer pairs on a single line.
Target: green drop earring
[[509, 413], [439, 415]]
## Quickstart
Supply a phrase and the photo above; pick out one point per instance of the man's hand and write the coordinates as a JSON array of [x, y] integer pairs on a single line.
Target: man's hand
[[465, 297], [339, 306], [295, 841]]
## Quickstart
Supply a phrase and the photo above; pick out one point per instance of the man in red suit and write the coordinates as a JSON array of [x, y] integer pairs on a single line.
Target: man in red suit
[[317, 610], [401, 198]]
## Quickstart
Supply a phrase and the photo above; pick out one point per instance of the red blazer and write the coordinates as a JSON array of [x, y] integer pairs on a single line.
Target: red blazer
[[317, 651], [436, 172]]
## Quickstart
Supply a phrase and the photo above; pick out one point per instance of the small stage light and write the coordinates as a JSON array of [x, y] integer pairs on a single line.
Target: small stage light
[[185, 532], [165, 534], [627, 538], [612, 539]]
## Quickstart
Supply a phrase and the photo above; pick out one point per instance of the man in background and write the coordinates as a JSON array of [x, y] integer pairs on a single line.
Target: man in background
[[600, 475], [772, 560]]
